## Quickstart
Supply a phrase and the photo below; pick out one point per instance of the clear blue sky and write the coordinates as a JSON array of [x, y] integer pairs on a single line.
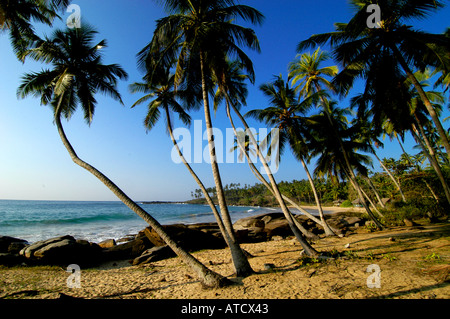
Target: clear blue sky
[[35, 165]]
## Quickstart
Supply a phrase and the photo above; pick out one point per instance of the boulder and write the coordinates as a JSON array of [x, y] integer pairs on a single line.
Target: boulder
[[128, 250], [62, 251], [188, 238], [278, 227], [409, 223], [262, 227], [107, 243], [28, 251], [11, 245], [154, 254]]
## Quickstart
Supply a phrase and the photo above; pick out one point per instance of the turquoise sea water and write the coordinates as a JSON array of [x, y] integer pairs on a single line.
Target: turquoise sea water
[[97, 221]]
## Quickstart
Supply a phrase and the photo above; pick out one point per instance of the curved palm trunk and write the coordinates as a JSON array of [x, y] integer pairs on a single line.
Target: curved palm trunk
[[242, 265], [433, 162], [309, 250], [392, 177], [207, 277], [425, 100], [212, 153], [327, 229], [258, 175], [240, 261], [375, 191], [372, 203]]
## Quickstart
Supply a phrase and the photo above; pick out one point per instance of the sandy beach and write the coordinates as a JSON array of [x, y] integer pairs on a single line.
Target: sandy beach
[[414, 262]]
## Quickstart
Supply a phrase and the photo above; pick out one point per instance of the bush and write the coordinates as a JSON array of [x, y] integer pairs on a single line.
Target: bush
[[347, 203], [414, 209]]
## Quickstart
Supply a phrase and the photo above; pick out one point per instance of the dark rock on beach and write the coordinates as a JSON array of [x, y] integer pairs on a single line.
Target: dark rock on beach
[[11, 245], [189, 238], [62, 251], [154, 254], [128, 250]]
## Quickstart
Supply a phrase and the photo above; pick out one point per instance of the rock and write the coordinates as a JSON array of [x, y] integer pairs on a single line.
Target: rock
[[190, 239], [351, 221], [128, 250], [62, 251], [28, 251], [11, 245], [126, 239], [262, 227], [9, 260], [107, 243], [250, 222], [408, 223], [278, 227], [154, 254]]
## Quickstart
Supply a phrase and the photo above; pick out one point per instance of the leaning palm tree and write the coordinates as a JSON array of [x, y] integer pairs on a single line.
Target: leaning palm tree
[[330, 157], [284, 112], [358, 47], [309, 67], [76, 76], [231, 88], [163, 97], [199, 35], [16, 17]]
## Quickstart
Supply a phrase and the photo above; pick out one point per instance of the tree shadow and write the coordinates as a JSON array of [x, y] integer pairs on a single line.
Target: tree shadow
[[412, 291]]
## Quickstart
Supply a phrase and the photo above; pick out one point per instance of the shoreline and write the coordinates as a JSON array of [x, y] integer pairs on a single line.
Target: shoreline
[[411, 260]]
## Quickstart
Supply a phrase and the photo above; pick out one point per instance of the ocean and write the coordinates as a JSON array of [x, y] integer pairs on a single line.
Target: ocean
[[98, 221]]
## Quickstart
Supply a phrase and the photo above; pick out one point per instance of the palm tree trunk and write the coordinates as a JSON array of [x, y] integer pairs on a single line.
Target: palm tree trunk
[[350, 172], [212, 154], [433, 162], [309, 250], [261, 178], [425, 100], [207, 277], [327, 229], [371, 203], [375, 191], [240, 261], [392, 177]]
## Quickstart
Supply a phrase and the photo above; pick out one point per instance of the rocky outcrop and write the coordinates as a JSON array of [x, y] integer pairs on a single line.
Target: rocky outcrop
[[62, 251], [127, 250], [189, 238], [9, 250]]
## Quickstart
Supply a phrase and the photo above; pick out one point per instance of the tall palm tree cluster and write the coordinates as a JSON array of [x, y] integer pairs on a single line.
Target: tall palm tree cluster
[[197, 59]]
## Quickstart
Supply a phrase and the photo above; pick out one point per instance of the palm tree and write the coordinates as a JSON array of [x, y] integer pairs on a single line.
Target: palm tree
[[16, 17], [165, 99], [283, 113], [358, 47], [230, 80], [199, 35], [369, 134], [315, 75], [77, 75], [330, 157]]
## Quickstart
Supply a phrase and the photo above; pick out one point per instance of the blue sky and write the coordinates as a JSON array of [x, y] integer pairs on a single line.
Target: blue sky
[[35, 165]]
